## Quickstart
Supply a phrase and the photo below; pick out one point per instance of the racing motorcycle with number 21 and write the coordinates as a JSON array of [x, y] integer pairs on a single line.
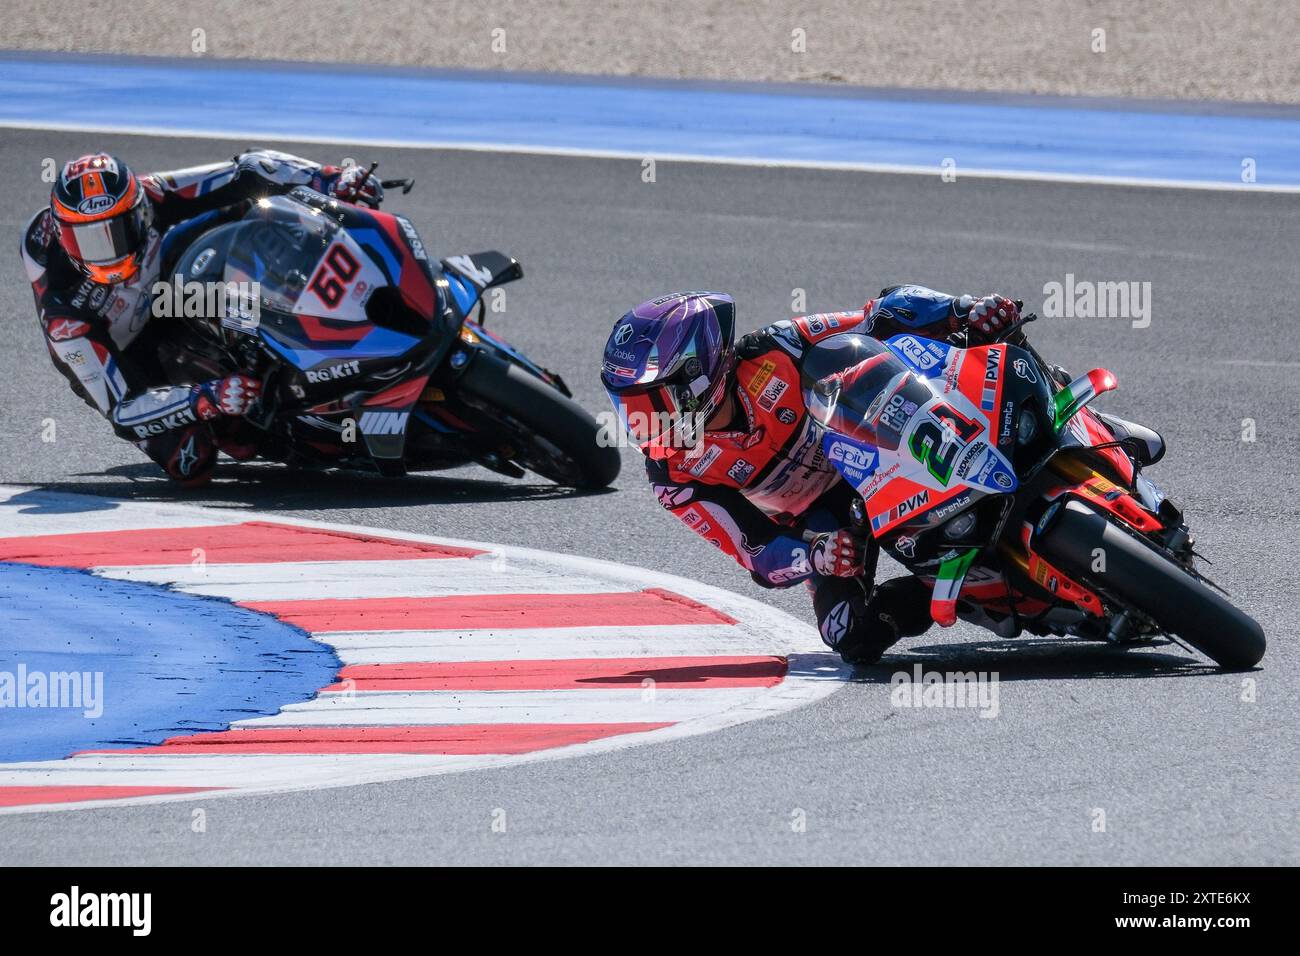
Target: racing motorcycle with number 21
[[983, 471]]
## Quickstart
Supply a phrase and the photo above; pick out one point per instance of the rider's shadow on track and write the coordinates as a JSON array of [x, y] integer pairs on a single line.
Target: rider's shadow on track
[[1038, 659], [277, 487]]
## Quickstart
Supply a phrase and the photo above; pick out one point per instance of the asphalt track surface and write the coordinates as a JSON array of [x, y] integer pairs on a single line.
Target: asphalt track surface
[[1186, 770]]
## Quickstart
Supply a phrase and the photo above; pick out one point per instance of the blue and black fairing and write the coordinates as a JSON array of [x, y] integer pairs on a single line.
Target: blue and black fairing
[[278, 245], [468, 277]]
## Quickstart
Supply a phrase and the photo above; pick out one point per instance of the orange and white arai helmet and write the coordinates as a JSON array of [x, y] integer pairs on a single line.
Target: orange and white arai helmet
[[103, 217]]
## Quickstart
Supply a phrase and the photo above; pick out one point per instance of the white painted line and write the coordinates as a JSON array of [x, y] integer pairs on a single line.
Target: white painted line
[[29, 513], [552, 643], [309, 580], [451, 707], [217, 770], [527, 149]]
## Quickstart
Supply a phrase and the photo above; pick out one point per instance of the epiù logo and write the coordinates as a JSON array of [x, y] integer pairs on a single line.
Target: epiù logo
[[74, 908], [623, 334]]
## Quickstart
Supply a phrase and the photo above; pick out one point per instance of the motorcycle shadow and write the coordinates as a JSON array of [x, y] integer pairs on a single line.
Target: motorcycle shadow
[[1040, 659], [277, 487]]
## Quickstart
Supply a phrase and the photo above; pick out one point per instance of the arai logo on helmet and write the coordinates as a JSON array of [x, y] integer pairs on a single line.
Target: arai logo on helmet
[[93, 204], [623, 333]]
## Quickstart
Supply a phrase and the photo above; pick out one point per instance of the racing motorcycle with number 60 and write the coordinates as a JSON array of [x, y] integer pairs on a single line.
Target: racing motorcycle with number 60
[[983, 472], [371, 356]]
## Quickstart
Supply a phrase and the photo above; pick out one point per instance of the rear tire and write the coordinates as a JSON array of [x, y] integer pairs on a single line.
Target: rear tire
[[1139, 575], [558, 438]]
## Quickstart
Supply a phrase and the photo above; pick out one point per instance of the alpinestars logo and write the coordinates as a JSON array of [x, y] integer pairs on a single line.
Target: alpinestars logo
[[383, 423], [187, 458], [836, 624]]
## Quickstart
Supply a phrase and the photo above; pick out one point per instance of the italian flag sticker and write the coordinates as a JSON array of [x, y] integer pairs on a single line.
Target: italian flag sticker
[[947, 586]]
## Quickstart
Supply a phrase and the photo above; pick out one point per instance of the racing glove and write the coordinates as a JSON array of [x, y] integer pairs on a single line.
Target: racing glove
[[232, 395], [838, 554], [355, 185], [984, 318]]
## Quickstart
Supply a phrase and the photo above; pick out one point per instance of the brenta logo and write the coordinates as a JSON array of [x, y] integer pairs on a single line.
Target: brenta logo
[[74, 909]]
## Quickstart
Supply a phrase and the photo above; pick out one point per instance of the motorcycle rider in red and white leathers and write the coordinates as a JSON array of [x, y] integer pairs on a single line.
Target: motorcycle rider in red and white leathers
[[94, 255], [756, 482]]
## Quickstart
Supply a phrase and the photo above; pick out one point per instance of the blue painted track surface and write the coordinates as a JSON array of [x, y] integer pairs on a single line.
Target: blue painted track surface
[[1011, 136], [171, 663]]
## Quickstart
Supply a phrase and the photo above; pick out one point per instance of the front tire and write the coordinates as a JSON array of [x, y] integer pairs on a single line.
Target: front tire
[[1140, 576], [549, 433]]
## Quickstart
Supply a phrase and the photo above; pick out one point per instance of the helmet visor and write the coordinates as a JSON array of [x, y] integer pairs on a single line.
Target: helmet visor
[[108, 240], [669, 416]]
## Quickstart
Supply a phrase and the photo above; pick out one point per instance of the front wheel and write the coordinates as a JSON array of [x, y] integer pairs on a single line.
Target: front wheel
[[546, 432], [1139, 575]]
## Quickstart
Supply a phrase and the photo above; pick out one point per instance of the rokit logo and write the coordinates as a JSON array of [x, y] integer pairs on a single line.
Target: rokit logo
[[413, 239], [169, 423], [333, 372]]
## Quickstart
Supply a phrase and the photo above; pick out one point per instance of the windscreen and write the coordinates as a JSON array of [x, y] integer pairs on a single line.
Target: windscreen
[[862, 390], [278, 245]]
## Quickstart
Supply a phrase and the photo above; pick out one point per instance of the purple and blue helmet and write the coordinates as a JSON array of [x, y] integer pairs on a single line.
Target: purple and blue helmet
[[666, 367]]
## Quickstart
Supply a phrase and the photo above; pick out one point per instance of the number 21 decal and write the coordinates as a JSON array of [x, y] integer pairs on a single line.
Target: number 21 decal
[[936, 443]]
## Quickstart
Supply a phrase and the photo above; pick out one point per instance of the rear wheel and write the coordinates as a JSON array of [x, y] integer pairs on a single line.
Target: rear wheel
[[546, 432], [1140, 576]]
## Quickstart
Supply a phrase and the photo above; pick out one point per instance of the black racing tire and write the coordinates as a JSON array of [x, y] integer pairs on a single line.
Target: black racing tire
[[558, 439], [1141, 576]]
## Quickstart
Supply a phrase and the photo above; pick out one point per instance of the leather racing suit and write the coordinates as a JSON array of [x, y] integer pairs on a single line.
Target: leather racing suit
[[100, 336]]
